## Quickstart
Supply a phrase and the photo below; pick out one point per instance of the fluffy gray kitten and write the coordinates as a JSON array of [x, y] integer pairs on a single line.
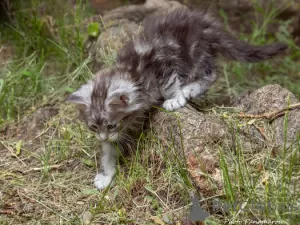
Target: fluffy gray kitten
[[170, 62]]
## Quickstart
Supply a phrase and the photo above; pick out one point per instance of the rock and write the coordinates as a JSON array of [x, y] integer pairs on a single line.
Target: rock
[[105, 48], [193, 129], [87, 218], [266, 99], [196, 136], [272, 98]]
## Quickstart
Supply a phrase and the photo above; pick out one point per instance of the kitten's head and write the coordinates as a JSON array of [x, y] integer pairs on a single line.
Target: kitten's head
[[111, 104]]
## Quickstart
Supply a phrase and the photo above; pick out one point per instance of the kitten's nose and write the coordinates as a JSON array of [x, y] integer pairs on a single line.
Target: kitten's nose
[[103, 136]]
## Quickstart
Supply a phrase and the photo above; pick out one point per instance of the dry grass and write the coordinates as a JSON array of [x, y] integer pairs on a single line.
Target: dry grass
[[50, 178]]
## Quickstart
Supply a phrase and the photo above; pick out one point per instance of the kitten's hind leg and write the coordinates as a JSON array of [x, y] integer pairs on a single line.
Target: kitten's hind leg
[[176, 102], [108, 163]]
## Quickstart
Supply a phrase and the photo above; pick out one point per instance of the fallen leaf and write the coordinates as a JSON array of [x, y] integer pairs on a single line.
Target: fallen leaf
[[87, 217], [18, 147], [93, 29], [88, 162], [265, 178], [250, 122], [157, 220]]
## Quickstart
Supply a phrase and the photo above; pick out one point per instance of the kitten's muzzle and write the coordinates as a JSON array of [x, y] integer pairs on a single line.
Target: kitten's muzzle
[[102, 136], [107, 137]]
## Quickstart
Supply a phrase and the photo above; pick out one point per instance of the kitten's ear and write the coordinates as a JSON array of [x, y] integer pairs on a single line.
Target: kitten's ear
[[120, 100], [82, 96], [125, 101]]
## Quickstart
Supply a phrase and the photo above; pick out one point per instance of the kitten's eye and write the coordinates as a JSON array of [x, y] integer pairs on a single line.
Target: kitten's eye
[[111, 126], [93, 127]]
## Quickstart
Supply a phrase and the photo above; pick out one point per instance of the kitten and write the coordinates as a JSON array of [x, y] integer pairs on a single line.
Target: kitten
[[170, 62]]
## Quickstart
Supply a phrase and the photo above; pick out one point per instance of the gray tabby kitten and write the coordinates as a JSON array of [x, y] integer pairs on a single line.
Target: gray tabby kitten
[[170, 62]]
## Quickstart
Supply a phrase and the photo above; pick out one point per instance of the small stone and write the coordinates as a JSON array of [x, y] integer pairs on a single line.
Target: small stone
[[28, 208], [166, 219], [87, 217], [80, 203]]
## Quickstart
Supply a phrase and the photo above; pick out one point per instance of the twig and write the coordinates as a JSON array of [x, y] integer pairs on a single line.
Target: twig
[[11, 151], [262, 133], [270, 115], [7, 212], [154, 193], [41, 168]]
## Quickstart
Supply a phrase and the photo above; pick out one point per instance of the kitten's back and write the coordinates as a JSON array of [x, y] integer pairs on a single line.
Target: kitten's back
[[202, 27]]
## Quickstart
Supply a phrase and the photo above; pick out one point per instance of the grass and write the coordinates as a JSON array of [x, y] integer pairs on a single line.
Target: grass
[[283, 71], [47, 177], [262, 187], [46, 62]]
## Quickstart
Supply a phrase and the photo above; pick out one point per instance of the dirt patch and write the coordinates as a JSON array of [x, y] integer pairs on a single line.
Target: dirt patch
[[30, 127]]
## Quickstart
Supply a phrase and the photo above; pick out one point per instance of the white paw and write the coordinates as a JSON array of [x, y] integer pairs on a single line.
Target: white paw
[[101, 181], [174, 103], [191, 91]]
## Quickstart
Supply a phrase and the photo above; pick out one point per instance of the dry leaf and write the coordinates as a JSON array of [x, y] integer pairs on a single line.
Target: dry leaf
[[18, 147], [157, 220]]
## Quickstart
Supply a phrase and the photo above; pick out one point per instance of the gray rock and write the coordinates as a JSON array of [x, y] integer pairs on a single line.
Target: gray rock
[[273, 98], [189, 128], [196, 136], [104, 49]]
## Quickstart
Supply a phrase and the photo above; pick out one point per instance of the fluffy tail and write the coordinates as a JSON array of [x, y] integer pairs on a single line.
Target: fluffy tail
[[235, 49]]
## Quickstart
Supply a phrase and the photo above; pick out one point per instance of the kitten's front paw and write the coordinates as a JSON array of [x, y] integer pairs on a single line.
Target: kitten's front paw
[[101, 181], [174, 103], [191, 91]]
